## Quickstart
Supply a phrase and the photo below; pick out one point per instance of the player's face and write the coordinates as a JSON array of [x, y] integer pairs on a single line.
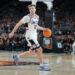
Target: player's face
[[32, 10]]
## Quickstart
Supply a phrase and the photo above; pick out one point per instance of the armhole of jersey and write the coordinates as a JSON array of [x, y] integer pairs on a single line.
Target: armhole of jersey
[[30, 18], [37, 17]]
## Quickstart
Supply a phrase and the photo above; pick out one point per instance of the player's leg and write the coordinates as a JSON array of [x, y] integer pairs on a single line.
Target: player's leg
[[38, 48], [40, 57], [27, 53], [43, 67]]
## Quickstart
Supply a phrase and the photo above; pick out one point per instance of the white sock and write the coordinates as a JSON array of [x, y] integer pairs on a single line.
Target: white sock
[[18, 56], [42, 65]]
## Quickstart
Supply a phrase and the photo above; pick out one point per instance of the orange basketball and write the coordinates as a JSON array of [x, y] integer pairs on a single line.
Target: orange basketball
[[47, 33]]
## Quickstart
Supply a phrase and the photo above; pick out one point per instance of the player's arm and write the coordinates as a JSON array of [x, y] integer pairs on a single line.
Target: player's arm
[[21, 22], [15, 29], [41, 28], [17, 26]]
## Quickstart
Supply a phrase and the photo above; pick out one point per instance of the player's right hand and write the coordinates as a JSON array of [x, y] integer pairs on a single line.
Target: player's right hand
[[11, 35]]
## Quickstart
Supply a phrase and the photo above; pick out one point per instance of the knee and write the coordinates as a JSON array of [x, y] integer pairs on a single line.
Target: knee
[[39, 50], [32, 52]]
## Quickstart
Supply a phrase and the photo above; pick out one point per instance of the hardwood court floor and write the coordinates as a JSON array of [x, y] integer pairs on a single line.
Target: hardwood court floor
[[61, 64]]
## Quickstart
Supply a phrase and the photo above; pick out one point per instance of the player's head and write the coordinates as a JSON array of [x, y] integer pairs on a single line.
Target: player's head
[[32, 8]]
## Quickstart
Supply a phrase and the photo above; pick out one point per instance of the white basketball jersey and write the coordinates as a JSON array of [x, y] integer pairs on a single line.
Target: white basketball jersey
[[32, 24]]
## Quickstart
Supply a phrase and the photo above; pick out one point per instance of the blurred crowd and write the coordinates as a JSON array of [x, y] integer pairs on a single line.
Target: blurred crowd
[[66, 22], [18, 41], [65, 32], [7, 23]]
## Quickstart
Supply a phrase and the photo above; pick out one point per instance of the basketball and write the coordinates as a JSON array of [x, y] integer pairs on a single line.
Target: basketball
[[47, 33]]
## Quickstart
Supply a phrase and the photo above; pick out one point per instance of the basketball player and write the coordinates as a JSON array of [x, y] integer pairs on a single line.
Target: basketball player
[[31, 36]]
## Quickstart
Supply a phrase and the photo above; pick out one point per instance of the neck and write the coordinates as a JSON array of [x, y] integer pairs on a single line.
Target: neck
[[32, 14]]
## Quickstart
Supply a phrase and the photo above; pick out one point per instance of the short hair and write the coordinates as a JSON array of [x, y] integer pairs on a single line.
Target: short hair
[[32, 5]]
